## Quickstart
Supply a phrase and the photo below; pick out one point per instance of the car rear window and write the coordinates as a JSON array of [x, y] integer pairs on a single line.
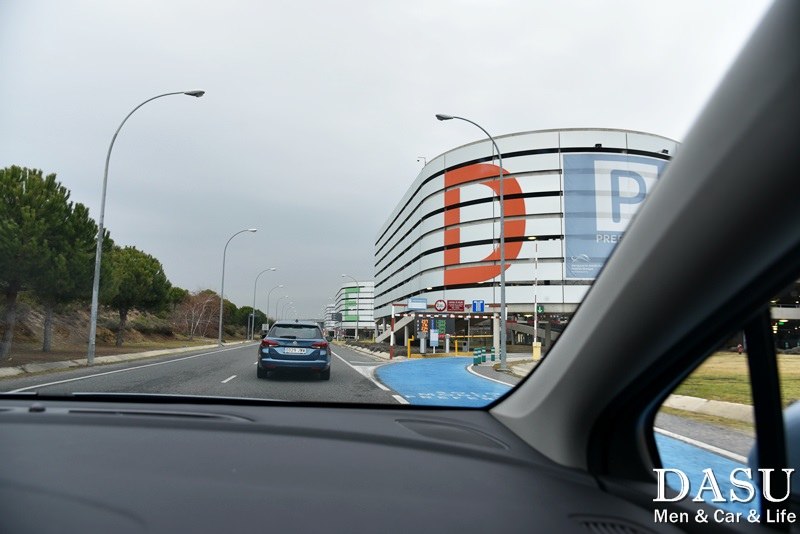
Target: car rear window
[[295, 331]]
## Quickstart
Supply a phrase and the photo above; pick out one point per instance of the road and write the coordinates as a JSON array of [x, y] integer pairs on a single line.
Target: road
[[230, 372], [225, 372], [441, 382]]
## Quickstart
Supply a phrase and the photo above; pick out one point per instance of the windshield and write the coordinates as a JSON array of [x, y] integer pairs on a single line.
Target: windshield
[[426, 190], [295, 331]]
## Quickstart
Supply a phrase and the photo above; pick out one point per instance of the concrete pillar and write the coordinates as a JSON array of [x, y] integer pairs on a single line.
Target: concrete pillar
[[548, 331], [496, 333]]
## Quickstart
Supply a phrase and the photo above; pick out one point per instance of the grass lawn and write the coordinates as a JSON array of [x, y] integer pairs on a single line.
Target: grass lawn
[[724, 377]]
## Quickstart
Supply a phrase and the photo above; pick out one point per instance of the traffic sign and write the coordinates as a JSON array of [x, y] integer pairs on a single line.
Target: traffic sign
[[417, 303], [539, 309], [477, 306], [455, 305], [440, 305]]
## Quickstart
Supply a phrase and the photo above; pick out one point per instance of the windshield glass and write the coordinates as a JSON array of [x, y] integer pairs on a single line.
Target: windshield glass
[[291, 331], [427, 190]]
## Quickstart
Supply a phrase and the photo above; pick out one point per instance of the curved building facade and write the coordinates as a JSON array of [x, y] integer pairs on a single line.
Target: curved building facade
[[568, 196]]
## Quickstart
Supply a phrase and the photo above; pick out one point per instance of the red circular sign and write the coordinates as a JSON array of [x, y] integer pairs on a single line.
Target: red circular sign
[[440, 305]]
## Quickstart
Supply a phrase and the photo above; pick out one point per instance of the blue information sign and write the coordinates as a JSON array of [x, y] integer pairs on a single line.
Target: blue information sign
[[477, 306], [602, 192]]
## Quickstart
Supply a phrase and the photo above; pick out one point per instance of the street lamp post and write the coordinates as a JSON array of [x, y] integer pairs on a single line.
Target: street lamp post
[[286, 306], [253, 332], [100, 230], [222, 285], [268, 294], [535, 290], [358, 298], [503, 366], [276, 305], [337, 325]]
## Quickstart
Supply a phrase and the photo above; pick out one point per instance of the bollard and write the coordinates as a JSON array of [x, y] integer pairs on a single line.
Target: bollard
[[476, 357], [492, 353]]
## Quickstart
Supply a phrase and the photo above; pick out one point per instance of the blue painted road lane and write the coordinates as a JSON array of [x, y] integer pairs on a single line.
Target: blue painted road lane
[[446, 382], [692, 460], [440, 382]]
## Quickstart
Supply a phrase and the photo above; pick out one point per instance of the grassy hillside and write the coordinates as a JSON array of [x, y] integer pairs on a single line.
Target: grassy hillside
[[144, 331]]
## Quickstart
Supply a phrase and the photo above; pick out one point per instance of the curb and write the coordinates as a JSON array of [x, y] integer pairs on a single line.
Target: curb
[[728, 410], [379, 354]]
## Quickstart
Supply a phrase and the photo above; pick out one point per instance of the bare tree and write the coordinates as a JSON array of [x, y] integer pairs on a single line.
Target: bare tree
[[197, 312]]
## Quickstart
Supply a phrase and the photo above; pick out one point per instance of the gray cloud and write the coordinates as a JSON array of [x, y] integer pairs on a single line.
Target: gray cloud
[[315, 112]]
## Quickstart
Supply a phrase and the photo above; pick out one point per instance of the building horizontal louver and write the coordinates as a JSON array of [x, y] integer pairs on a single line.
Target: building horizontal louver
[[569, 194]]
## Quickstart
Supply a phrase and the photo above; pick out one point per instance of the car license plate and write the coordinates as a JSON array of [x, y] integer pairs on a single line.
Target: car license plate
[[292, 350]]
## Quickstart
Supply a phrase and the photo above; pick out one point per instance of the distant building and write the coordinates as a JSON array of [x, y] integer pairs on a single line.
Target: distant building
[[355, 303], [569, 194], [331, 320]]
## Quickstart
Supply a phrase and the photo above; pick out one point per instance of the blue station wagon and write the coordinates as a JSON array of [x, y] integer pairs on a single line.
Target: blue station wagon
[[294, 345]]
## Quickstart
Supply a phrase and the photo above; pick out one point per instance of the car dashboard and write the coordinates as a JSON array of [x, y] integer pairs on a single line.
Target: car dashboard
[[77, 466]]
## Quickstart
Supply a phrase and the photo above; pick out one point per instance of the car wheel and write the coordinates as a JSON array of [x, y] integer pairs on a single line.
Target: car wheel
[[262, 373], [325, 375]]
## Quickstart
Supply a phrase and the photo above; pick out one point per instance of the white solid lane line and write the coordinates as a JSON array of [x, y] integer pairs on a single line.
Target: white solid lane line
[[357, 370], [400, 399], [228, 379], [122, 370], [699, 444], [469, 368]]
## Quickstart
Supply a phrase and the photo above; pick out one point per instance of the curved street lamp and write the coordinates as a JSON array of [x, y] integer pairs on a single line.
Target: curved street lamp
[[253, 314], [285, 307], [276, 305], [222, 285], [358, 297], [100, 231], [503, 366], [268, 294]]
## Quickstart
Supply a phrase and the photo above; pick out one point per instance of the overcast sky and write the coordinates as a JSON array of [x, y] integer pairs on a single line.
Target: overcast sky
[[316, 112]]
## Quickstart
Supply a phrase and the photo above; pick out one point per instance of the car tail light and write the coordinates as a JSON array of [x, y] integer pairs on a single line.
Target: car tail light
[[268, 343], [320, 345]]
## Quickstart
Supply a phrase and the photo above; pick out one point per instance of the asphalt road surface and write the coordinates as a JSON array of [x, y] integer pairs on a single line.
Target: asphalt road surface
[[225, 372], [231, 372]]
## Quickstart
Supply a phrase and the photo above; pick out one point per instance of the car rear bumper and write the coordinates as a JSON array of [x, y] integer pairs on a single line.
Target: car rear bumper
[[312, 365]]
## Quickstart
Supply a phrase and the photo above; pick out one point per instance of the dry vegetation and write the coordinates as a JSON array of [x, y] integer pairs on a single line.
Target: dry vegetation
[[70, 333]]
